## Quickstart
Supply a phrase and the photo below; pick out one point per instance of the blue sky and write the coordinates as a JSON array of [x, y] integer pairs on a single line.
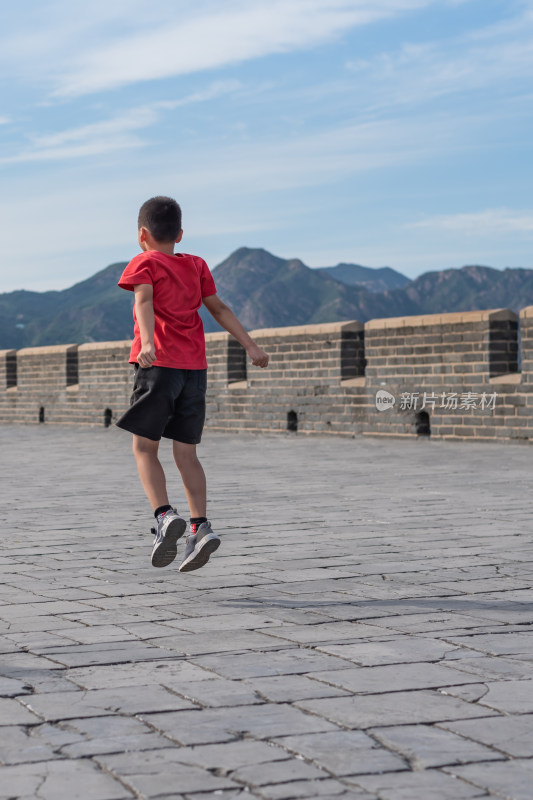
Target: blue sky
[[380, 132]]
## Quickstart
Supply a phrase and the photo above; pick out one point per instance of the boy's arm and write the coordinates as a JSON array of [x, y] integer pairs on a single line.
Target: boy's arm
[[227, 319], [144, 311]]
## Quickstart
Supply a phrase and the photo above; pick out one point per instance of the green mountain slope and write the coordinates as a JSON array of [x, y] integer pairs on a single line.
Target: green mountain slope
[[471, 288], [381, 279], [91, 311], [265, 291]]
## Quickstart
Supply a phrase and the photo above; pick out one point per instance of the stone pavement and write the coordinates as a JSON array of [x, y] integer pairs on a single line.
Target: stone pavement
[[363, 632]]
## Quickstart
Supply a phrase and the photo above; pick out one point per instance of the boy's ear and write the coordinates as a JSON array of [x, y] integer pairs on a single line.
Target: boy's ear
[[180, 236]]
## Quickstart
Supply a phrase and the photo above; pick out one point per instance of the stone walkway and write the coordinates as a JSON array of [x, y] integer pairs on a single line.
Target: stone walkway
[[363, 632]]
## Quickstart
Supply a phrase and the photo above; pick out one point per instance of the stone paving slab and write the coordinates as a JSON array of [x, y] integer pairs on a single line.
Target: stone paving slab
[[392, 708], [99, 702], [512, 736], [155, 772], [365, 630], [496, 778], [344, 752], [426, 746], [51, 780], [429, 785]]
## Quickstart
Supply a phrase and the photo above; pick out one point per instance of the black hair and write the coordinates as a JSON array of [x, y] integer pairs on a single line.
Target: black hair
[[162, 217]]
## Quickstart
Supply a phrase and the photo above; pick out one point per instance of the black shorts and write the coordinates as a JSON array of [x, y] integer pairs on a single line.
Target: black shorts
[[167, 402]]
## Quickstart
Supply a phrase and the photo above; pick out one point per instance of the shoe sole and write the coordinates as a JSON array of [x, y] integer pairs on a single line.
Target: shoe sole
[[168, 550], [200, 558]]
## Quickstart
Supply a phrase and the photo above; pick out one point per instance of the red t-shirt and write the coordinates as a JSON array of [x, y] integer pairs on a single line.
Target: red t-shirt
[[180, 283]]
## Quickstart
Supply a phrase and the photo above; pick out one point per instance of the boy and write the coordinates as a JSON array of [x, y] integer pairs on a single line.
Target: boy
[[168, 352]]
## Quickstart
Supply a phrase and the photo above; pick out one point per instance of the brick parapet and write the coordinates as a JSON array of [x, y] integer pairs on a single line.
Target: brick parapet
[[321, 378], [317, 354], [442, 348]]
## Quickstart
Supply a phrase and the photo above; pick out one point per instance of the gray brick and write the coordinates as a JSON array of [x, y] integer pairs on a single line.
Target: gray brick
[[511, 779], [55, 780], [13, 713], [395, 677], [427, 785], [158, 772], [343, 752], [426, 746], [219, 725], [267, 774], [392, 708], [99, 702], [512, 736]]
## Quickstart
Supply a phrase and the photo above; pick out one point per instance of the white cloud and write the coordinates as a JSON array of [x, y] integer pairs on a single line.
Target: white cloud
[[86, 140], [216, 89], [215, 38], [325, 157], [490, 57], [259, 163], [491, 221], [225, 190], [106, 129], [111, 134]]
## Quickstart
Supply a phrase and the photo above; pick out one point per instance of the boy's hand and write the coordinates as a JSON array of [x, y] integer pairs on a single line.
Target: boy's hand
[[258, 356], [146, 355], [227, 319]]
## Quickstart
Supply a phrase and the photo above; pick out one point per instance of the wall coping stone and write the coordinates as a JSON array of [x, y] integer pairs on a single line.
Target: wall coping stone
[[49, 350], [507, 377], [303, 330], [217, 336], [4, 353], [105, 345], [491, 315], [527, 312], [360, 380]]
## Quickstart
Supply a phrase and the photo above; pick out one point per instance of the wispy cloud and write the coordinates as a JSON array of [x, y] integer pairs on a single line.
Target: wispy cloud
[[319, 158], [134, 119], [264, 162], [86, 140], [247, 172], [116, 133], [215, 38], [490, 57], [490, 221], [216, 89]]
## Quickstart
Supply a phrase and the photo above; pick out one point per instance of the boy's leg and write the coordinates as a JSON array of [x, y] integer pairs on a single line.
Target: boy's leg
[[150, 471], [170, 527], [204, 541], [193, 477]]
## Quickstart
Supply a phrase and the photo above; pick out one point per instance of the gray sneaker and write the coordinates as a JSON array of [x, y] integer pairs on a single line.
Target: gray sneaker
[[199, 547], [169, 530]]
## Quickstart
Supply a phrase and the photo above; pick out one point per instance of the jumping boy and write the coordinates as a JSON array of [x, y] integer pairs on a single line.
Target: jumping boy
[[168, 353]]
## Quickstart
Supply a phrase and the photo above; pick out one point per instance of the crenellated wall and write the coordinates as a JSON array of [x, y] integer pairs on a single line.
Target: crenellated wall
[[455, 375], [444, 355]]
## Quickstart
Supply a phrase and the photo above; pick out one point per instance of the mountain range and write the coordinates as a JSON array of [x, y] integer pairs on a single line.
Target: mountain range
[[264, 291]]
